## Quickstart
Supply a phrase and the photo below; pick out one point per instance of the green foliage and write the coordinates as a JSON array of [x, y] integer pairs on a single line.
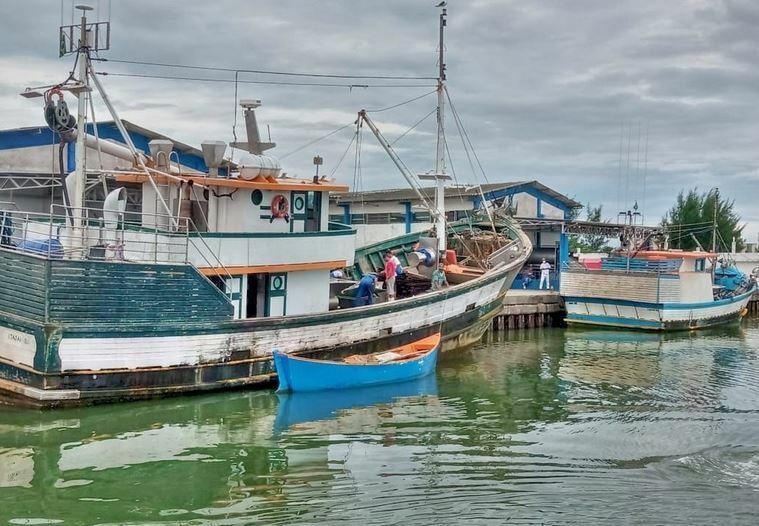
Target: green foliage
[[693, 213], [590, 243]]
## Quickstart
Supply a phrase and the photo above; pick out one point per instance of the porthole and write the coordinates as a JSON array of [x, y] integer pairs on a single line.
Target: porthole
[[256, 196]]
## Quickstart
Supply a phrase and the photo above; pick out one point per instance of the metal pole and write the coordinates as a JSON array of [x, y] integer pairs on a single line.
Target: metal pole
[[394, 157], [440, 157], [129, 143], [80, 175]]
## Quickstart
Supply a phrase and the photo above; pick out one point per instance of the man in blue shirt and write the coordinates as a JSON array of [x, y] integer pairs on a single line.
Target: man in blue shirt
[[365, 292]]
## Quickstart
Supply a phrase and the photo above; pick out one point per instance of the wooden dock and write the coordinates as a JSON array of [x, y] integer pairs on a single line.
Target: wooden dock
[[753, 305], [524, 309]]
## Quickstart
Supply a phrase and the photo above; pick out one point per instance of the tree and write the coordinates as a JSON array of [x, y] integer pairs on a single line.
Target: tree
[[589, 243], [693, 216]]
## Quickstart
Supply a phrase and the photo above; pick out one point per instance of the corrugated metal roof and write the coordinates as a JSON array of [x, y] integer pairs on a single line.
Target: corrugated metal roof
[[407, 194]]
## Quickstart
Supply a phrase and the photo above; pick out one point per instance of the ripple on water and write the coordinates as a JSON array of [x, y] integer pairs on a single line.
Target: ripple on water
[[554, 427]]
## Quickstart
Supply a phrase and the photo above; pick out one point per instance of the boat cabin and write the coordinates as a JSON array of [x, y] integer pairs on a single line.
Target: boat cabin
[[652, 276]]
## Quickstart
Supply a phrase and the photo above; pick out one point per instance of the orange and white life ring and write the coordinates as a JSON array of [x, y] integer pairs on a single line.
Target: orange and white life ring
[[280, 208]]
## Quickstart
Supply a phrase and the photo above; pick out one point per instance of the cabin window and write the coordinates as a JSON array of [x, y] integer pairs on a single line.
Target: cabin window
[[313, 212], [256, 196], [700, 265]]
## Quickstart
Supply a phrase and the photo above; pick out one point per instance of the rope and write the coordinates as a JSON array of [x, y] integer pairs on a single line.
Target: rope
[[401, 136], [402, 103], [265, 82], [344, 155], [330, 134], [265, 72]]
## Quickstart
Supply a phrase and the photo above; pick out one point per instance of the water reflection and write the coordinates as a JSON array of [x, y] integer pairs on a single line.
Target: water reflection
[[310, 408], [554, 426]]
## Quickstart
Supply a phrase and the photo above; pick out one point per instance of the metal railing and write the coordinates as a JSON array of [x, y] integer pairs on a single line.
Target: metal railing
[[623, 264], [54, 235]]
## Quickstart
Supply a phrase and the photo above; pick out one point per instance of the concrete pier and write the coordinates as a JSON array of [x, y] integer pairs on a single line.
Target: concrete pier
[[530, 308]]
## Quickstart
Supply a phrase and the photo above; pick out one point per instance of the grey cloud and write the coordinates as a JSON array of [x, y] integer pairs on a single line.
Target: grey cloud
[[544, 87]]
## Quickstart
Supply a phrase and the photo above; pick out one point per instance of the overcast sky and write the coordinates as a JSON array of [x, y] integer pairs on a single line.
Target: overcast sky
[[545, 89]]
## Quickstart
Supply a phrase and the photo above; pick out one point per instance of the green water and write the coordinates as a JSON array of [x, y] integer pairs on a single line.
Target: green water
[[551, 426]]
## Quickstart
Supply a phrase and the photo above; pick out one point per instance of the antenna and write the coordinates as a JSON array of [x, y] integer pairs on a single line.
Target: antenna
[[96, 36]]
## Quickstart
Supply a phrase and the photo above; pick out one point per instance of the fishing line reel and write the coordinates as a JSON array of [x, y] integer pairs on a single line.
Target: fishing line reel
[[57, 113]]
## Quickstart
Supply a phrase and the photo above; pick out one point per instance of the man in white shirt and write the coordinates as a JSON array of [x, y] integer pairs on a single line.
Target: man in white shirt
[[545, 274]]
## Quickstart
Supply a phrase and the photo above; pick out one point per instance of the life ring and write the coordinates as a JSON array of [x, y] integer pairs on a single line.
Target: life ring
[[280, 208]]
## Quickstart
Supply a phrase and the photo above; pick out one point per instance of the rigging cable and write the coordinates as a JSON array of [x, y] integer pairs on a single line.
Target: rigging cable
[[266, 82], [343, 156], [457, 118], [420, 121], [328, 135], [402, 103], [234, 121], [267, 72]]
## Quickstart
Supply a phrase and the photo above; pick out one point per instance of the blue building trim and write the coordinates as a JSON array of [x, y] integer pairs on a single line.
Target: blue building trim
[[109, 130], [43, 136], [409, 216], [346, 213], [70, 157], [526, 188], [563, 250], [27, 138]]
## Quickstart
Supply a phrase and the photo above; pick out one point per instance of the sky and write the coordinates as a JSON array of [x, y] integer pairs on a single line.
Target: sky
[[610, 103]]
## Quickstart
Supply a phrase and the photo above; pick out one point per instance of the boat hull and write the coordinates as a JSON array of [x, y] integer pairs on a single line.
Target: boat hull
[[56, 365], [297, 374], [655, 316]]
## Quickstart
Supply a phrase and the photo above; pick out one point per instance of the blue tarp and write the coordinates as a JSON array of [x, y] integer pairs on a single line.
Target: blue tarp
[[43, 247]]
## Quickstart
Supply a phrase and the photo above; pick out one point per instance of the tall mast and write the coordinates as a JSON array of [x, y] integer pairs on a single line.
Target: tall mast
[[80, 175], [440, 175], [440, 157]]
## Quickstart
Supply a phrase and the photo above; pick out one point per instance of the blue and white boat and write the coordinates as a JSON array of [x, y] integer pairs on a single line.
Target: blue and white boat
[[655, 290], [401, 364]]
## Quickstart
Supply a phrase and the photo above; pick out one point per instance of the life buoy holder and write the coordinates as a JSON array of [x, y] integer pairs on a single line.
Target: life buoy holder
[[280, 208]]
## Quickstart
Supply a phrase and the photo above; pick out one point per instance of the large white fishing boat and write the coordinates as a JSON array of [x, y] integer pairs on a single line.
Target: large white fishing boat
[[193, 292]]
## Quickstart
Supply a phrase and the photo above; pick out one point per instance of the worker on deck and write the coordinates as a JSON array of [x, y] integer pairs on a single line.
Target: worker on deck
[[390, 275], [438, 279], [545, 274], [365, 292]]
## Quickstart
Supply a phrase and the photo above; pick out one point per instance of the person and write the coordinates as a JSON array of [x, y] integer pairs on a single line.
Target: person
[[390, 275], [545, 274], [526, 278], [398, 266], [438, 278], [365, 292]]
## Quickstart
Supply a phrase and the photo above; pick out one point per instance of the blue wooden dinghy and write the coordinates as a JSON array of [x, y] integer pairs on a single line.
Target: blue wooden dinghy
[[400, 364]]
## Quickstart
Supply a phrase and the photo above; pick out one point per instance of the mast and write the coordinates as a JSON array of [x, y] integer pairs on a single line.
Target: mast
[[440, 175], [80, 174]]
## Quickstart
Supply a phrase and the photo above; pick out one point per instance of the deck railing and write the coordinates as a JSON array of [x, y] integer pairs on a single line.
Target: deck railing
[[623, 264], [54, 235]]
